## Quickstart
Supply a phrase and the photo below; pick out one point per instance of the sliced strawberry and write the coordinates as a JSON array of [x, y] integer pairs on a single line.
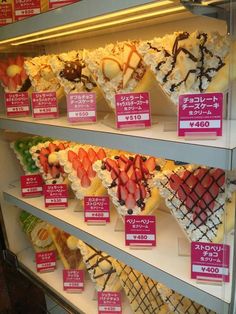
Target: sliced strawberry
[[137, 161], [23, 75], [118, 192], [52, 147], [111, 163], [91, 172], [101, 154], [71, 155], [61, 169], [43, 159], [61, 146], [20, 61], [191, 180], [45, 167], [44, 151], [12, 85], [207, 180], [183, 191], [199, 190], [123, 193], [80, 172], [131, 186], [139, 175], [95, 158], [144, 169], [219, 176], [130, 201], [143, 191], [131, 172], [17, 79], [199, 216], [113, 174], [128, 165], [85, 181], [214, 190], [55, 172], [124, 177], [82, 153], [86, 163], [200, 173], [150, 163], [124, 158], [175, 181], [190, 202], [137, 194], [91, 154], [5, 80], [121, 164], [76, 163]]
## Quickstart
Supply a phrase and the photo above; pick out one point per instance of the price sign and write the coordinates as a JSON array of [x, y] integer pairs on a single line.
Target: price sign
[[109, 303], [24, 9], [6, 14], [17, 104], [73, 280], [81, 107], [210, 261], [44, 105], [200, 113], [53, 4], [140, 230], [55, 196], [132, 110], [96, 209], [31, 185], [45, 261]]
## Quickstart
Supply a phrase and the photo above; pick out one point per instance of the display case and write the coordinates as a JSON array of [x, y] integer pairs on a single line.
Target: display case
[[86, 25]]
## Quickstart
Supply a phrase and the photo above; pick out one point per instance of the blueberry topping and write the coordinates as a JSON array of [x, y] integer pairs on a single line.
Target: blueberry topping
[[130, 211], [158, 168], [122, 202], [103, 167], [54, 181], [57, 149], [144, 158], [37, 151], [117, 157], [139, 202], [131, 158]]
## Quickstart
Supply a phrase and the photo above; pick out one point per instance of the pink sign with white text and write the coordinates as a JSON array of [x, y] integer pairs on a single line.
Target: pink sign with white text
[[81, 107], [210, 261], [45, 261], [109, 302], [17, 104], [200, 113], [132, 110], [140, 230], [24, 9], [73, 280], [31, 185], [44, 105], [55, 195], [96, 208]]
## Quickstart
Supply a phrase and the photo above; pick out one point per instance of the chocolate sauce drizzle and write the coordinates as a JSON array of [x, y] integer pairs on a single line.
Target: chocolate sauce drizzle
[[199, 71], [73, 72], [142, 297], [100, 258], [208, 221]]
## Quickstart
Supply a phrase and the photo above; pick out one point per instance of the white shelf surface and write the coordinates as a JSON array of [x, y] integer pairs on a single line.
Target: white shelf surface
[[83, 302], [161, 263], [153, 141]]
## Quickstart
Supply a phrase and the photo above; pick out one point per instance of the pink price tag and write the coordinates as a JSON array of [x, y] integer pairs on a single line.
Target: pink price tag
[[55, 196], [44, 105], [53, 4], [81, 107], [17, 104], [132, 110], [24, 9], [109, 302], [73, 280], [96, 209], [210, 261], [200, 113], [140, 230], [45, 261], [31, 185], [6, 14]]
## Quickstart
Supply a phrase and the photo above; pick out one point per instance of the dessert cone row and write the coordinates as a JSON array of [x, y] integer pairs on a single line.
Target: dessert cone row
[[145, 295], [195, 195], [180, 63]]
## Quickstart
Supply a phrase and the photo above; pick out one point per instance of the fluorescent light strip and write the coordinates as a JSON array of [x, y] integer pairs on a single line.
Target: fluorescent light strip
[[94, 20], [103, 25]]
